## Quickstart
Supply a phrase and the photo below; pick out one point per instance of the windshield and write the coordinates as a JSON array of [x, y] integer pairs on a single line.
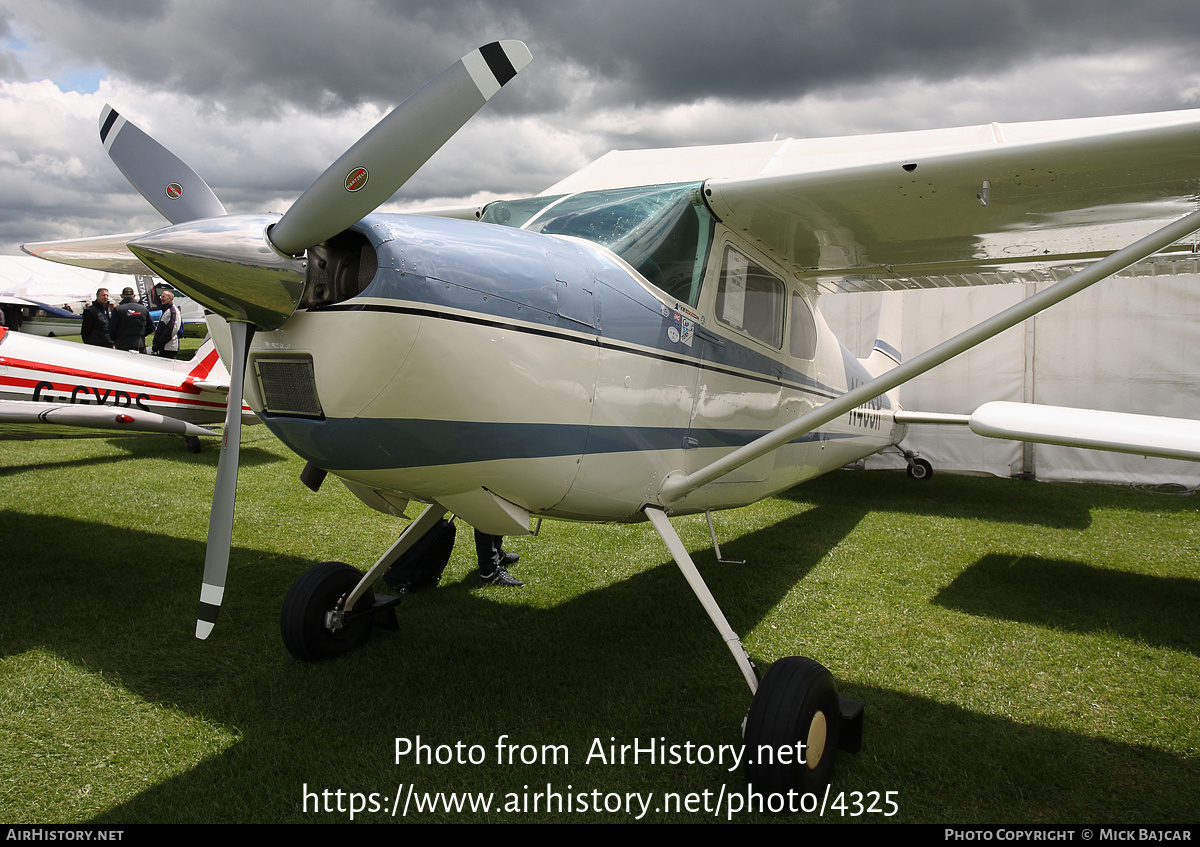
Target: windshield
[[664, 231]]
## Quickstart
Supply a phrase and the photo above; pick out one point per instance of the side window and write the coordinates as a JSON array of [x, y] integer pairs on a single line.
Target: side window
[[750, 299], [802, 342]]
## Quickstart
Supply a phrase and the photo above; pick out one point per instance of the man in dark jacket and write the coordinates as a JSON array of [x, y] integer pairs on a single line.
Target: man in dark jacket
[[129, 323], [95, 321]]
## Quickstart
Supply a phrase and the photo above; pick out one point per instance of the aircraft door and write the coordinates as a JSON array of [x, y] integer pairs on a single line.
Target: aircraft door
[[740, 388]]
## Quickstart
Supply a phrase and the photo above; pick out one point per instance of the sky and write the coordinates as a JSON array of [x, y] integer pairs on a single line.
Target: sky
[[259, 96]]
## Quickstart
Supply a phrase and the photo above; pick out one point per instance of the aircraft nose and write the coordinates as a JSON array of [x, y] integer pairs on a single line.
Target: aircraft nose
[[229, 265]]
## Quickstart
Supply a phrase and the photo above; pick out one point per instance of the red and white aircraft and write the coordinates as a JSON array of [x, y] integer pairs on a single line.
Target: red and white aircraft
[[639, 341], [60, 389]]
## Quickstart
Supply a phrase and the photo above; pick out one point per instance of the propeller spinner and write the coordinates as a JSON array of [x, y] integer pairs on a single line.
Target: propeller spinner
[[249, 268]]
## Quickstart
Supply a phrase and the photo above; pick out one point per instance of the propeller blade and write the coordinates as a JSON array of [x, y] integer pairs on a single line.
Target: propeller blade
[[375, 167], [220, 522], [162, 177]]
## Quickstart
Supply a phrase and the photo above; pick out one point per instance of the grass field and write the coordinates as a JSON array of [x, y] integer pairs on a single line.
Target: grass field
[[1027, 652]]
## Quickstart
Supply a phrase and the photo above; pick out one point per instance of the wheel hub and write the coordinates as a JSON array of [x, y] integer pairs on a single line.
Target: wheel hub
[[818, 730]]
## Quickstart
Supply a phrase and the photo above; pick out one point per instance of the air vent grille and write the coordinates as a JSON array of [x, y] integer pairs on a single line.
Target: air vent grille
[[288, 386]]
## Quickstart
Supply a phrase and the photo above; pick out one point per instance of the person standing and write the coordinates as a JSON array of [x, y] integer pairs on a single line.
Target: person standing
[[12, 316], [494, 561], [95, 321], [166, 334], [129, 323]]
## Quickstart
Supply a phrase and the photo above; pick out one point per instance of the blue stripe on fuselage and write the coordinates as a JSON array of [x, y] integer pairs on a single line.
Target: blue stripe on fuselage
[[382, 444]]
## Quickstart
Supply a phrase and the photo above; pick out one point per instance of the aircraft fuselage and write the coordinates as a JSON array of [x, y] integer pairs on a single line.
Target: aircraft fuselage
[[547, 371]]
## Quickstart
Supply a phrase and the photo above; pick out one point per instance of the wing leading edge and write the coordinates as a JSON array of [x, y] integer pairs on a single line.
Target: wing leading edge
[[971, 205], [964, 206]]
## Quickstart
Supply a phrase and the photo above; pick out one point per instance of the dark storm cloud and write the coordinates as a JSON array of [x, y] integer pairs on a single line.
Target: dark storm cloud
[[260, 96], [669, 51], [325, 55], [265, 55]]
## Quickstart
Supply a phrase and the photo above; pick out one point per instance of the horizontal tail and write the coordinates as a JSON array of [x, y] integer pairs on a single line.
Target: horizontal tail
[[205, 369]]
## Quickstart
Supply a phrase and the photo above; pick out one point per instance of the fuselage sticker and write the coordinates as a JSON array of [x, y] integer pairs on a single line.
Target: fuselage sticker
[[681, 329]]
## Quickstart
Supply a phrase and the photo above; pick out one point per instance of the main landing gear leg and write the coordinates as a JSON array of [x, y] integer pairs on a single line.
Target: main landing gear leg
[[796, 721], [322, 613]]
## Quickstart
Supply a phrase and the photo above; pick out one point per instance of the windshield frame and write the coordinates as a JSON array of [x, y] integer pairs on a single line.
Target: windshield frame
[[665, 232]]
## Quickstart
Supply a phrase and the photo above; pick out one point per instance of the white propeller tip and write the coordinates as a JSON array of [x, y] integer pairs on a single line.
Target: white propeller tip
[[493, 65], [210, 606], [518, 54]]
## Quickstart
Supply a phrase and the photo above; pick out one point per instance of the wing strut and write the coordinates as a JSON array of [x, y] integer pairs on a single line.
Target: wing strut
[[658, 518], [678, 484]]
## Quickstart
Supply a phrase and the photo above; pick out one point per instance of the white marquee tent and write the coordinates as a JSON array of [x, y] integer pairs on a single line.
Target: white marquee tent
[[1127, 344]]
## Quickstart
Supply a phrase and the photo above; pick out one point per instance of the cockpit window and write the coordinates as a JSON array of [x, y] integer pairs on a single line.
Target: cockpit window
[[802, 342], [664, 231], [750, 299]]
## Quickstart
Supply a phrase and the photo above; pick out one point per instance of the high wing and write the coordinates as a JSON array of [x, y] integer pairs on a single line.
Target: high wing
[[101, 253], [964, 206], [974, 205]]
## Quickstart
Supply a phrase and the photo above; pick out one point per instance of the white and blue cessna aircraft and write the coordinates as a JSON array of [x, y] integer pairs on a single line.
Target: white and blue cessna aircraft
[[640, 340]]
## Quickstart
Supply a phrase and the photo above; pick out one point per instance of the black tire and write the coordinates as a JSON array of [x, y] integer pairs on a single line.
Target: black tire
[[192, 443], [920, 469], [797, 702], [302, 621]]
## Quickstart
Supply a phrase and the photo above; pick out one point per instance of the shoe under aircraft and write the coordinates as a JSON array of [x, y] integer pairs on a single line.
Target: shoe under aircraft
[[639, 341]]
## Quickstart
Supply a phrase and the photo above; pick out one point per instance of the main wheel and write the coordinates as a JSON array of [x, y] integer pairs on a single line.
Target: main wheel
[[920, 469], [796, 704], [311, 597]]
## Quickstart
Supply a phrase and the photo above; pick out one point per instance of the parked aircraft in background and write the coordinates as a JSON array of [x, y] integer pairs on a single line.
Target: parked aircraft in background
[[52, 296], [61, 389], [639, 341], [39, 318]]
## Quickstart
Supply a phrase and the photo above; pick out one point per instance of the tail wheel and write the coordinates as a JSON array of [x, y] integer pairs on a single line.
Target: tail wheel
[[796, 704], [304, 619], [920, 469]]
